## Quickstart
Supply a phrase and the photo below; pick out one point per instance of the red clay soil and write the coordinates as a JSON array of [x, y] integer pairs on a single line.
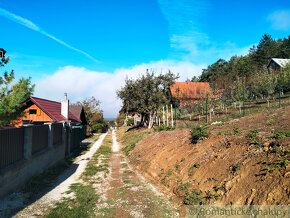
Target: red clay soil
[[228, 169]]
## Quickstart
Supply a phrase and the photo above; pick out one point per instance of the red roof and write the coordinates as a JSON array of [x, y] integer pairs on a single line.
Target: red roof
[[53, 109], [190, 90]]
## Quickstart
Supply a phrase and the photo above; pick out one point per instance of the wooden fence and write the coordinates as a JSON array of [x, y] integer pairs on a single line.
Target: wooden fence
[[11, 146], [39, 138], [22, 143], [57, 133]]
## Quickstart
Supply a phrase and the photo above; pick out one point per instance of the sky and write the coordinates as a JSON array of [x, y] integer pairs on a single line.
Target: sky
[[87, 48]]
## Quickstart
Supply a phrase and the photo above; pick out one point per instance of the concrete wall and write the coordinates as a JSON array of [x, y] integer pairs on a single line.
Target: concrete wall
[[14, 176]]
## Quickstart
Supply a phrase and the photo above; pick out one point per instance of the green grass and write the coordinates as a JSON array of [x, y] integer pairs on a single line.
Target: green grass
[[130, 139], [82, 205]]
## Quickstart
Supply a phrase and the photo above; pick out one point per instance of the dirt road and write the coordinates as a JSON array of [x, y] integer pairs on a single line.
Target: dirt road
[[125, 193]]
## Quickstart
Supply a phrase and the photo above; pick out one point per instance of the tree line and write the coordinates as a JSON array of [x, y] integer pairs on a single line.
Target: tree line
[[250, 72]]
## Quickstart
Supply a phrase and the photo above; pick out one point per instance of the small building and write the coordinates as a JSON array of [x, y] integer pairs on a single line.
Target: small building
[[275, 64], [39, 111], [78, 111], [188, 93]]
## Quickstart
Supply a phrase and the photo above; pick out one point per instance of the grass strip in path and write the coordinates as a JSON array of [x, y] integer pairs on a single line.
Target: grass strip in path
[[84, 197]]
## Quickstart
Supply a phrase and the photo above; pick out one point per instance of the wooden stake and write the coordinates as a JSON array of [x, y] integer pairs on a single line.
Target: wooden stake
[[166, 115], [171, 116]]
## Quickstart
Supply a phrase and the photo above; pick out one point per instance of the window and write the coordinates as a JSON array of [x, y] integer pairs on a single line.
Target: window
[[32, 111]]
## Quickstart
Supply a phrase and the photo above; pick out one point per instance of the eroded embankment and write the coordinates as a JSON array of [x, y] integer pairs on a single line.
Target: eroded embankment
[[226, 168]]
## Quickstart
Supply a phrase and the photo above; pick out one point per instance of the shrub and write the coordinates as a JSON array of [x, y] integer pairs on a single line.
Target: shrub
[[236, 167], [196, 165], [237, 130], [253, 134], [193, 198], [163, 127], [271, 121], [199, 133], [278, 134], [224, 133], [130, 122]]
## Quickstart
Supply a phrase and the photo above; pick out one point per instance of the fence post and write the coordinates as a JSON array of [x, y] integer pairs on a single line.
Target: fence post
[[206, 109], [244, 113], [27, 142], [50, 134], [171, 114], [167, 115], [279, 94], [175, 113]]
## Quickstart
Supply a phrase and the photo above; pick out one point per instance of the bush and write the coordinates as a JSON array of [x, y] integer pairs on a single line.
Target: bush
[[236, 167], [253, 134], [225, 133], [99, 128], [193, 198], [271, 121], [199, 133], [237, 130], [163, 127], [130, 122], [278, 134]]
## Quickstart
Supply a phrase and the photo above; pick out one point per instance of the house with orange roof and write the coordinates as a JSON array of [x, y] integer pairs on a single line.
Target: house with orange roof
[[187, 93]]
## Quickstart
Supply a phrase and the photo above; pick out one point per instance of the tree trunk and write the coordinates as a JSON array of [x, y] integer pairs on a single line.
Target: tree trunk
[[151, 120]]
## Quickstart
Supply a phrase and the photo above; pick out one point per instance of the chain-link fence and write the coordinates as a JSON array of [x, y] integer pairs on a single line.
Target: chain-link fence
[[208, 110]]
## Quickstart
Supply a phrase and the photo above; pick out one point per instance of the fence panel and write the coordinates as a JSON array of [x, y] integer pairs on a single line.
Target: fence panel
[[57, 133], [11, 146], [39, 138]]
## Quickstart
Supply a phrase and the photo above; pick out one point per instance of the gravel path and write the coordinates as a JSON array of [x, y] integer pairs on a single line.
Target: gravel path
[[62, 184]]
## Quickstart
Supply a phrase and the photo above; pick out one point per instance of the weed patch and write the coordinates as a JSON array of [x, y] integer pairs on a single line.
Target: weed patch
[[199, 133], [81, 206]]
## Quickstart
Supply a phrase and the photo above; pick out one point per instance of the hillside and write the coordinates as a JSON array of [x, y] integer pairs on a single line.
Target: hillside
[[226, 168]]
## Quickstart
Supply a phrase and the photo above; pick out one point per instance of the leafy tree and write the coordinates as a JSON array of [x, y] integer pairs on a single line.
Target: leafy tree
[[94, 115], [12, 96], [284, 78], [146, 95]]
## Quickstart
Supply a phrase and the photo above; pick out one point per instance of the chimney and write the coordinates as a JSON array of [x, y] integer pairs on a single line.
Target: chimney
[[65, 106]]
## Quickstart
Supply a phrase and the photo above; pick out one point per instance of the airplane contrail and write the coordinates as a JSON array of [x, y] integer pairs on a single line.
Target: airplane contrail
[[29, 24]]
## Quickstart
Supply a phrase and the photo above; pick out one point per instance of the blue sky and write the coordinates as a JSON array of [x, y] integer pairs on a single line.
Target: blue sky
[[93, 45]]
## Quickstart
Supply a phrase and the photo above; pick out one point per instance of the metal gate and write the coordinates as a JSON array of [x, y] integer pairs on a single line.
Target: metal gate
[[76, 136]]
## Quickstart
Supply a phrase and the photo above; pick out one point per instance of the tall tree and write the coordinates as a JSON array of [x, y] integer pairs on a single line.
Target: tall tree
[[146, 95], [12, 96], [94, 114]]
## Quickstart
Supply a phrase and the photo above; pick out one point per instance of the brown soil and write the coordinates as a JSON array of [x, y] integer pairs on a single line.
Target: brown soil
[[232, 170]]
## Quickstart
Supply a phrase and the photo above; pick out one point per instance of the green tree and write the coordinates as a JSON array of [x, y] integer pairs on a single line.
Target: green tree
[[94, 115], [146, 95], [266, 49], [12, 96], [284, 78]]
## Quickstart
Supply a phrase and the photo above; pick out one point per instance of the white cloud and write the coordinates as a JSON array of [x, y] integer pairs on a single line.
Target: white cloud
[[80, 83], [29, 24], [280, 20]]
